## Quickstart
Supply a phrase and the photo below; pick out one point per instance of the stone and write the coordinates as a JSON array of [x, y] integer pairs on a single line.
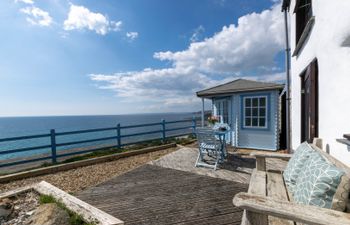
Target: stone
[[5, 213], [49, 214], [5, 201]]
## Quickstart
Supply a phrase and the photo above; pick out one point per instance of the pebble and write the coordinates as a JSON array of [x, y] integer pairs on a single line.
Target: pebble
[[21, 207], [75, 180]]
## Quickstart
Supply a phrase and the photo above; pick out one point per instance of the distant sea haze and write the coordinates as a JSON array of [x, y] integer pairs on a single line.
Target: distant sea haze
[[19, 126]]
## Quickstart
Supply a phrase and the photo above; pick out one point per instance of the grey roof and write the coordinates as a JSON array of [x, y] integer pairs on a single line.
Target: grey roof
[[239, 85]]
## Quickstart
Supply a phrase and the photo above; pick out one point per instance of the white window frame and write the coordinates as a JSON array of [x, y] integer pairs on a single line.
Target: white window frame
[[258, 116]]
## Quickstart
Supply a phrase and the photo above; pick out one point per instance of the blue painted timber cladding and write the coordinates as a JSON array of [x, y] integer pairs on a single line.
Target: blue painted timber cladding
[[255, 138]]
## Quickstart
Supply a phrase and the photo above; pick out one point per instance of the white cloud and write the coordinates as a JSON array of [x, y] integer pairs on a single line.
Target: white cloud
[[132, 35], [80, 18], [196, 36], [251, 44], [30, 2], [37, 16], [232, 53]]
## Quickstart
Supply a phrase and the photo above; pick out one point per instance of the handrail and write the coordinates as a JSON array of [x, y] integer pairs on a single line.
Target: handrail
[[118, 137], [24, 149], [178, 121], [85, 131], [179, 128], [140, 125], [86, 141], [139, 134], [24, 137]]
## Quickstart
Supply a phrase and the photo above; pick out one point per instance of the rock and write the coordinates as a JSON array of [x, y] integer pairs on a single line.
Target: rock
[[30, 213], [49, 214], [5, 201], [5, 213]]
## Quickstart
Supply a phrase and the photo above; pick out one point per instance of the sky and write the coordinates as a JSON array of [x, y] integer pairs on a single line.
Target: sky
[[108, 57]]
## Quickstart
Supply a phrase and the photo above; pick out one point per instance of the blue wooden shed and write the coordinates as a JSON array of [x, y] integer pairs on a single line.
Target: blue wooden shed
[[251, 108]]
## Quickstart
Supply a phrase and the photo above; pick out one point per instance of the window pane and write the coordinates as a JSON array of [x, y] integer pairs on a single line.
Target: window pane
[[255, 102], [225, 112], [255, 112], [262, 102], [262, 122], [255, 122], [247, 102], [248, 112], [248, 122], [262, 112]]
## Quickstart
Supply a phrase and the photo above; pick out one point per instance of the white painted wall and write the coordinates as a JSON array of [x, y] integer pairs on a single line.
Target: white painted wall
[[329, 42]]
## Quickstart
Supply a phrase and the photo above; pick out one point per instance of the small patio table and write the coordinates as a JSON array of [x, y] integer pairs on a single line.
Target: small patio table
[[222, 137]]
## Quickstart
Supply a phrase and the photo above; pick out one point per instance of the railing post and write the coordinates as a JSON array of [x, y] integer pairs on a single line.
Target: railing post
[[163, 131], [119, 138], [53, 145], [193, 125]]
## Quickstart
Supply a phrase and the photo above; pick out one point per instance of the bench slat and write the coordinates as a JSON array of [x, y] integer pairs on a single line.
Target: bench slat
[[257, 186], [277, 190]]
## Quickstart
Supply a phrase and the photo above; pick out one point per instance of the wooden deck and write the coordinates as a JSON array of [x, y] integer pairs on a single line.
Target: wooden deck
[[238, 166], [156, 195]]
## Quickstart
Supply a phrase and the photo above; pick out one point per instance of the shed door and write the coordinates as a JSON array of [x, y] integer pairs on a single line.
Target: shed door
[[222, 109], [309, 103]]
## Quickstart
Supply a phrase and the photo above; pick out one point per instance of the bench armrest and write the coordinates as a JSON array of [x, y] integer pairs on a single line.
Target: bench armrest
[[261, 158], [311, 215], [271, 155]]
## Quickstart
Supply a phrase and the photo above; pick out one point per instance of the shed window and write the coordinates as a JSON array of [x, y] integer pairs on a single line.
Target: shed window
[[303, 12], [255, 112]]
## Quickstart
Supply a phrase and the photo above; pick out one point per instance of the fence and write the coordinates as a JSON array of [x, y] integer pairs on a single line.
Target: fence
[[119, 137]]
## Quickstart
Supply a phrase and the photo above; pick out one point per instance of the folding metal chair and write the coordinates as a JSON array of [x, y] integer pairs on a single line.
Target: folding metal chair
[[208, 144]]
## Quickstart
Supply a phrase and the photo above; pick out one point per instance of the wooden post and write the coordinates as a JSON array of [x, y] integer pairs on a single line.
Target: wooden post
[[202, 112], [193, 125], [163, 131], [53, 145], [119, 138], [260, 163]]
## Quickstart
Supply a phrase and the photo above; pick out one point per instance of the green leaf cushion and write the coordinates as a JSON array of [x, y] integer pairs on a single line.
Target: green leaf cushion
[[296, 164], [321, 184]]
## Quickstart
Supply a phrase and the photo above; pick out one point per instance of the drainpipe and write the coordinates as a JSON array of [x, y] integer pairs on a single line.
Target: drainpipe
[[288, 138]]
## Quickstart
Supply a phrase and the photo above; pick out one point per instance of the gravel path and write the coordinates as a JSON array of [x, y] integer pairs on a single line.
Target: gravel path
[[75, 180]]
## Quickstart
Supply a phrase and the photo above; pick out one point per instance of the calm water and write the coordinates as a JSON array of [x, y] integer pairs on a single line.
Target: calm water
[[18, 126]]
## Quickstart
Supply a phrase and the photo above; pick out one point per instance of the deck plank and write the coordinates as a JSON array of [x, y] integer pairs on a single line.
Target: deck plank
[[156, 195]]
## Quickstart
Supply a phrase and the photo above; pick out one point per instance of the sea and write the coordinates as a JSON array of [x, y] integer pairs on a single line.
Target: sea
[[22, 126]]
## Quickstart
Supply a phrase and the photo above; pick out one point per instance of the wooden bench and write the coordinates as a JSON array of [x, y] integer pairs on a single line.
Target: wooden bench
[[268, 200]]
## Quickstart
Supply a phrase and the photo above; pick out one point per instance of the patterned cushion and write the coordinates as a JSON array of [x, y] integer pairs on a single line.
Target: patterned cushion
[[296, 164], [321, 184]]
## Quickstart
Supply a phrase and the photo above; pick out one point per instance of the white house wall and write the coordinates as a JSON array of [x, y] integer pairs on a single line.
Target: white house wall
[[329, 42]]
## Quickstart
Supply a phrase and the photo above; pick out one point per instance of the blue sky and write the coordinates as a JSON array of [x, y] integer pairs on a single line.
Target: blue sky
[[88, 57]]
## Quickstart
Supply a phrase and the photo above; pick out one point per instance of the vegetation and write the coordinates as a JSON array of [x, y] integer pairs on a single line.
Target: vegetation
[[74, 218]]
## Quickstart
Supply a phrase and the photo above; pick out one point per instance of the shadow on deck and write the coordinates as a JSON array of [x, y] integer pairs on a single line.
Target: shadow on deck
[[171, 190]]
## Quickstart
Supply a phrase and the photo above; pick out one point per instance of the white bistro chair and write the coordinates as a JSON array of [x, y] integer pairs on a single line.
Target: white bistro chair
[[210, 145]]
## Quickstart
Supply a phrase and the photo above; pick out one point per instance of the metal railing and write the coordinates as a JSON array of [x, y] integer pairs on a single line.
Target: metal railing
[[119, 140]]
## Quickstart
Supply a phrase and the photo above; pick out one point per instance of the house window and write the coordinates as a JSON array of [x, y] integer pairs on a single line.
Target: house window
[[303, 10], [255, 112]]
